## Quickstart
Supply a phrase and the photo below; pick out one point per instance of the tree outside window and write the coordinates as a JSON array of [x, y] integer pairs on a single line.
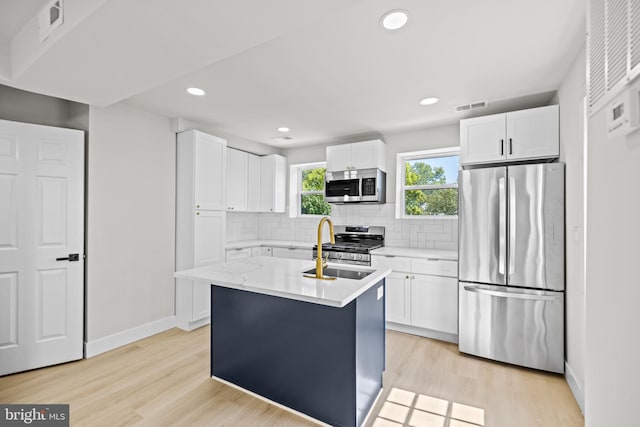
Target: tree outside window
[[430, 184], [312, 192]]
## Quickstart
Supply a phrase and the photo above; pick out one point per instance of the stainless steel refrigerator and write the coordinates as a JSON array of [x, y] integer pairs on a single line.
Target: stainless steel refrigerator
[[511, 262]]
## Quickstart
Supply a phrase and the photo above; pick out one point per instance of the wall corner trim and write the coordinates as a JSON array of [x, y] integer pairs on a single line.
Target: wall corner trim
[[119, 339], [575, 387]]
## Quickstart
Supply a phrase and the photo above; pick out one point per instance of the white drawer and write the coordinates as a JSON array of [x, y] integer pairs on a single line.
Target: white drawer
[[435, 267], [395, 263]]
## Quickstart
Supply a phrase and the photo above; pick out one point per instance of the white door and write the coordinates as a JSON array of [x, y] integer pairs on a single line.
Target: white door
[[41, 221]]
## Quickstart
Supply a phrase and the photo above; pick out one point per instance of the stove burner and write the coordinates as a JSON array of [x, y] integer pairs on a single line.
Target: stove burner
[[353, 244]]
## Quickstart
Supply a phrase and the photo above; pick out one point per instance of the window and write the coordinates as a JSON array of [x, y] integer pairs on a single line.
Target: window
[[309, 190], [427, 183]]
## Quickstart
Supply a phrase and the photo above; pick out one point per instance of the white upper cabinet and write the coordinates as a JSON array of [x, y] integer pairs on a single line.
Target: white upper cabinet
[[482, 140], [358, 155], [273, 177], [339, 157], [253, 183], [519, 135], [237, 180], [533, 134], [202, 166]]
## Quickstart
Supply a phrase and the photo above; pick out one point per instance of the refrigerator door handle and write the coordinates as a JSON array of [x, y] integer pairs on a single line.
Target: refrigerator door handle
[[512, 225], [502, 243], [480, 290]]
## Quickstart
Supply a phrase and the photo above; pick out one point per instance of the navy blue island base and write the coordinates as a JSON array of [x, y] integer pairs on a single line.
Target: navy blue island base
[[325, 362]]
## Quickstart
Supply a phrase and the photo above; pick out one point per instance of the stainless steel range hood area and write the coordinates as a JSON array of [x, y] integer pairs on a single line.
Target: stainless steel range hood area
[[356, 186]]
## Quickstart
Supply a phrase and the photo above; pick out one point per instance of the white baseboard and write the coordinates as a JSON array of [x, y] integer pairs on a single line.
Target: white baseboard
[[576, 388], [427, 333], [190, 326], [101, 345]]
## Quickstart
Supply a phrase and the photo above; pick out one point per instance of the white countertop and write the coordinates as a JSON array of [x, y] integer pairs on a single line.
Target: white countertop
[[439, 254], [282, 277], [239, 244]]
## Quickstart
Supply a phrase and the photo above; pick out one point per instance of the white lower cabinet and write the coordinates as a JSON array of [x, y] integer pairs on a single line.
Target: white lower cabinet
[[295, 253], [240, 253], [398, 302], [422, 304], [434, 303], [261, 251]]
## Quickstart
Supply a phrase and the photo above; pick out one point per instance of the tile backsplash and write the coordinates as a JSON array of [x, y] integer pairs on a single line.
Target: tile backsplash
[[414, 233]]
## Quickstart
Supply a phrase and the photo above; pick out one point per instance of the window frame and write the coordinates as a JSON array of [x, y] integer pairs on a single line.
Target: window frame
[[296, 192], [401, 187]]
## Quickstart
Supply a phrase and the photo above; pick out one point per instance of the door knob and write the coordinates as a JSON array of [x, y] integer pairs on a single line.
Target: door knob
[[70, 258]]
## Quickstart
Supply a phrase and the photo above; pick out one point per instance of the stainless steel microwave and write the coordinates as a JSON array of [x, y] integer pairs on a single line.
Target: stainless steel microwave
[[356, 186]]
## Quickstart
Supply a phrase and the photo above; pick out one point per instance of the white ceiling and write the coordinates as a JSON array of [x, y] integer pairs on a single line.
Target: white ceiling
[[325, 69]]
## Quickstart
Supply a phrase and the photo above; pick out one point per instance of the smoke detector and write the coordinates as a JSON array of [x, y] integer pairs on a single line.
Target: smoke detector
[[50, 18], [473, 106]]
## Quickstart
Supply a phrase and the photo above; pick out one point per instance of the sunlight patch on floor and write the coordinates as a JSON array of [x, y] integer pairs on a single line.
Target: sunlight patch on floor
[[408, 409]]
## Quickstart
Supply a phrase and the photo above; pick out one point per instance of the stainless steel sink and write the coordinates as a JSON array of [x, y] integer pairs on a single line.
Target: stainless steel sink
[[342, 273]]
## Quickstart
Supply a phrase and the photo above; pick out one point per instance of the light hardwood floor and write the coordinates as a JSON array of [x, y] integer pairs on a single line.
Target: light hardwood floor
[[164, 381]]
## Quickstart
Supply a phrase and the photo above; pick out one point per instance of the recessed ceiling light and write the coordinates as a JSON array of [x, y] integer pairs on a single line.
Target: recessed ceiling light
[[429, 101], [283, 129], [195, 91], [394, 19]]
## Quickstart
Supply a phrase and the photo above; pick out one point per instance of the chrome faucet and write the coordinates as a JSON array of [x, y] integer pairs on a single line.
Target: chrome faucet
[[320, 262]]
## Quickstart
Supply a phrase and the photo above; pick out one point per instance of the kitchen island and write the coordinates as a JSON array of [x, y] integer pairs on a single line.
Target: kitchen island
[[312, 346]]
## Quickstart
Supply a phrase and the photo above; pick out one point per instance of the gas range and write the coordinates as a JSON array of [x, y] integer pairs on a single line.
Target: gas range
[[353, 244]]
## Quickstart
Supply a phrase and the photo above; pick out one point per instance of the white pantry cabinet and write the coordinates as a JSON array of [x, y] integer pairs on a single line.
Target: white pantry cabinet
[[202, 166], [358, 155], [200, 219], [273, 177], [421, 295], [237, 179], [514, 136]]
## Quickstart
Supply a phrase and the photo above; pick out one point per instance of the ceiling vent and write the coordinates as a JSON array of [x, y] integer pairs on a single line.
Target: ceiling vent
[[50, 18], [282, 139], [472, 106]]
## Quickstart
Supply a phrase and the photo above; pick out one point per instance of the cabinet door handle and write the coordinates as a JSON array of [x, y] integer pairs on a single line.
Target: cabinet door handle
[[502, 147], [407, 277], [510, 146], [389, 256], [198, 206], [197, 213]]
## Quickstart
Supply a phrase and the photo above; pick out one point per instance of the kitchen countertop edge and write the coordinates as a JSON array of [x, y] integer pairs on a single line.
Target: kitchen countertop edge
[[287, 272], [435, 254], [241, 244]]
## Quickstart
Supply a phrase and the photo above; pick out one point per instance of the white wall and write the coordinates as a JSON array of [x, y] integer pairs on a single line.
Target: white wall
[[233, 141], [22, 106], [130, 220], [613, 278], [398, 142], [418, 233], [570, 97]]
